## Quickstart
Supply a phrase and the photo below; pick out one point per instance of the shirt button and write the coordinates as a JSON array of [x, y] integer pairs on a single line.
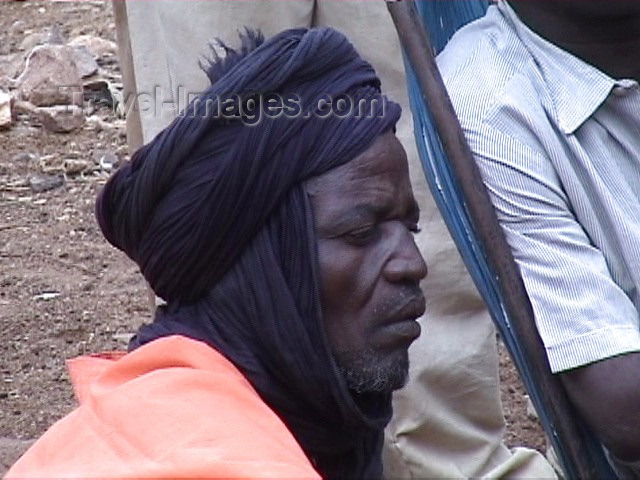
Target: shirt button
[[624, 87]]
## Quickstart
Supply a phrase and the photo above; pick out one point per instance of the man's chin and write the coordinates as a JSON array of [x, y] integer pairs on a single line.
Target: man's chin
[[368, 372]]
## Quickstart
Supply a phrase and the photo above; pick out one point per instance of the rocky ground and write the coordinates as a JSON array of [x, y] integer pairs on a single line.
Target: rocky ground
[[63, 290]]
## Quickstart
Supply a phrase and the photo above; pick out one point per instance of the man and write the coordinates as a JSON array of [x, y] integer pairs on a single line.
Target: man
[[278, 226], [448, 420], [547, 93]]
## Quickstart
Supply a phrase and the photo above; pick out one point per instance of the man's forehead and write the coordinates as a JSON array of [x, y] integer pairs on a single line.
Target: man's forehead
[[383, 159], [385, 152], [362, 182], [368, 169], [378, 176], [363, 198]]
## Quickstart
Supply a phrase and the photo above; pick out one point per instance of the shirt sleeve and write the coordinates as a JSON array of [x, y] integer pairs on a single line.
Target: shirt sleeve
[[582, 315]]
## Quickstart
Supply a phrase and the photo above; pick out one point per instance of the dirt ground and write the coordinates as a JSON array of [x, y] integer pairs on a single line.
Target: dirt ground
[[63, 290]]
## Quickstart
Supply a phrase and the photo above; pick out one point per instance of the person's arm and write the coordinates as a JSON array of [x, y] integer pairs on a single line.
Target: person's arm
[[588, 323], [607, 394]]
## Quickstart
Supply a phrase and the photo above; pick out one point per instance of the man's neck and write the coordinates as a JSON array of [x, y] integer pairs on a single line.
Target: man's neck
[[608, 39]]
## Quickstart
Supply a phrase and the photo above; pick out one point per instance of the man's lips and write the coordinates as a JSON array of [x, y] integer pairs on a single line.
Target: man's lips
[[410, 309], [401, 326]]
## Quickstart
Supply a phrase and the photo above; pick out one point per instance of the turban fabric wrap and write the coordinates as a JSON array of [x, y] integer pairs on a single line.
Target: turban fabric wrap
[[215, 214]]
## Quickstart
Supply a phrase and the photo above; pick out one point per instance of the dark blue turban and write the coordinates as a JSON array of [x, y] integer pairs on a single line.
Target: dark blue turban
[[215, 213]]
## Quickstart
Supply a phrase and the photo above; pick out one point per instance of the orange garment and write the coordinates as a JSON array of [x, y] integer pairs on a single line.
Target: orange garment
[[174, 408]]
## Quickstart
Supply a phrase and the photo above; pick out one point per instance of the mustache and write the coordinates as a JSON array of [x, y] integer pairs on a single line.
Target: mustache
[[408, 302]]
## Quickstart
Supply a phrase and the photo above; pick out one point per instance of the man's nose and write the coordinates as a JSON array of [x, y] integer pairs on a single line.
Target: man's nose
[[406, 262]]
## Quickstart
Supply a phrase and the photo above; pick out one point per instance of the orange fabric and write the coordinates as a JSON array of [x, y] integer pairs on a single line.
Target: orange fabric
[[174, 408]]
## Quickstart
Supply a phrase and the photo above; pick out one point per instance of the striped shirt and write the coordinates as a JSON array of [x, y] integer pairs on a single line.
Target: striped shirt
[[558, 145]]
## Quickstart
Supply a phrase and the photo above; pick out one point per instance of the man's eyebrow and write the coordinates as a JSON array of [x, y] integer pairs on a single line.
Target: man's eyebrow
[[372, 211], [356, 214]]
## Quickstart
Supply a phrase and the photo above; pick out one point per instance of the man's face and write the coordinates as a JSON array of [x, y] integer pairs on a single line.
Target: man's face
[[370, 267]]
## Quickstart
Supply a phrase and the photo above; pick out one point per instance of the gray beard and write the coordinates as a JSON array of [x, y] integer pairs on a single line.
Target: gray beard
[[366, 372]]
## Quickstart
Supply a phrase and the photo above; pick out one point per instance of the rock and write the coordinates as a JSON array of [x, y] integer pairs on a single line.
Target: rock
[[74, 167], [96, 124], [97, 94], [23, 157], [61, 118], [6, 83], [33, 40], [51, 77], [124, 337], [98, 47], [24, 108], [85, 62], [114, 127], [46, 296], [5, 110], [43, 183], [51, 36], [107, 160], [55, 36], [18, 27], [10, 450], [11, 65]]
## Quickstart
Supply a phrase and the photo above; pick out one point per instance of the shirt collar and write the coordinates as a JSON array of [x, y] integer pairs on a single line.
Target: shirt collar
[[577, 89]]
